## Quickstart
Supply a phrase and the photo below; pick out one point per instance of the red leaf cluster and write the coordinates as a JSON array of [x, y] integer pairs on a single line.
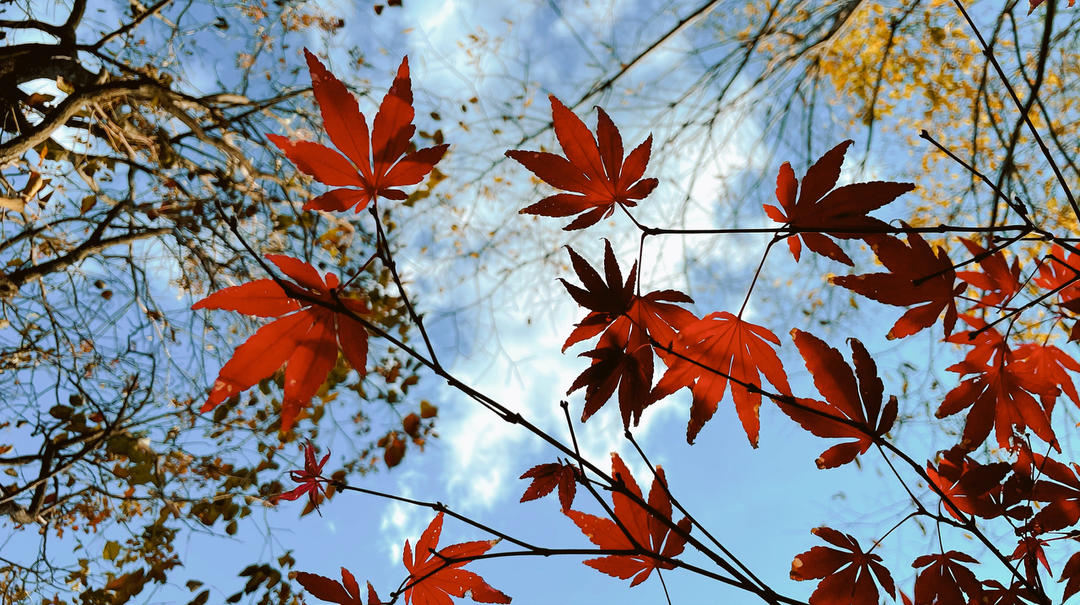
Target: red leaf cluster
[[1001, 393], [628, 324]]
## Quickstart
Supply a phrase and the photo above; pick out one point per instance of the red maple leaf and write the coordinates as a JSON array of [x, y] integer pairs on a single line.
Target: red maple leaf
[[613, 305], [1029, 549], [995, 593], [310, 479], [847, 575], [598, 175], [859, 403], [1049, 363], [305, 338], [713, 350], [946, 580], [1071, 572], [434, 577], [616, 365], [373, 165], [840, 212], [972, 487], [346, 592], [1059, 272], [649, 534], [999, 281], [546, 477], [629, 324], [918, 275], [1000, 393], [1059, 487]]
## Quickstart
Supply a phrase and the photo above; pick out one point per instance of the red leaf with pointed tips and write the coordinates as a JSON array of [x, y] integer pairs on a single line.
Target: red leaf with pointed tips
[[859, 403], [1000, 393], [346, 592], [1071, 572], [946, 580], [435, 576], [651, 534], [847, 575], [971, 487], [598, 175], [546, 477], [713, 351], [372, 165], [822, 210], [999, 281], [305, 338], [628, 324], [907, 264], [1059, 272]]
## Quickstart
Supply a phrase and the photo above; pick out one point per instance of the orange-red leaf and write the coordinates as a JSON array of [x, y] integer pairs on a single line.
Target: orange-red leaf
[[651, 535], [435, 576], [597, 174], [305, 338], [374, 172], [1001, 393], [713, 351]]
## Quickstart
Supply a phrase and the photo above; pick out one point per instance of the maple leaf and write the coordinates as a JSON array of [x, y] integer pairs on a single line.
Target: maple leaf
[[616, 365], [647, 532], [999, 281], [598, 175], [546, 477], [1060, 489], [372, 165], [840, 212], [713, 350], [994, 593], [346, 592], [1000, 394], [436, 576], [907, 264], [1049, 363], [305, 338], [946, 580], [972, 487], [310, 479], [859, 403], [1030, 550], [1059, 273], [1071, 572], [847, 575]]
